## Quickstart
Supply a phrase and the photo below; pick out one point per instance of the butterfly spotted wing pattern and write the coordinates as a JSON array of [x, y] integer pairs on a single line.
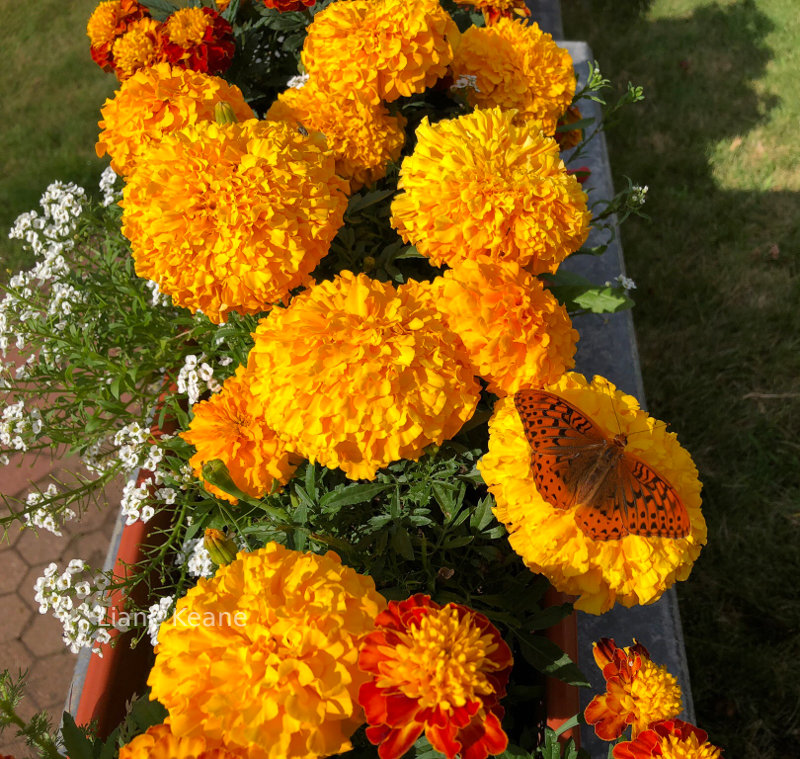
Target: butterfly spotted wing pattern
[[575, 465]]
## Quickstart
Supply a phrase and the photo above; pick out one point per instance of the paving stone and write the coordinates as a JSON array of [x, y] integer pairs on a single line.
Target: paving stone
[[49, 681], [37, 547], [13, 569], [16, 658], [15, 614], [42, 636]]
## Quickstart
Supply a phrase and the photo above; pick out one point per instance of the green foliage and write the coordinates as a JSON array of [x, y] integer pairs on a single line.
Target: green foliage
[[579, 295]]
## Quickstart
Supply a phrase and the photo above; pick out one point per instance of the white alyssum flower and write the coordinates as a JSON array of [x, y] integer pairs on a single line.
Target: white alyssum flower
[[626, 283], [47, 517], [195, 556], [638, 195], [466, 81], [108, 181], [18, 428], [196, 377], [298, 81], [156, 614], [80, 605]]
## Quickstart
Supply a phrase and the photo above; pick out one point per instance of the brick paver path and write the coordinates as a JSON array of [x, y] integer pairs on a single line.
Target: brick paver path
[[29, 640]]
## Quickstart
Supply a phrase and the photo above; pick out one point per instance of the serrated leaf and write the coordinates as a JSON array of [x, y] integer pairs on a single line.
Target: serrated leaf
[[401, 542], [159, 9], [548, 658], [604, 300], [481, 515], [77, 744], [351, 495]]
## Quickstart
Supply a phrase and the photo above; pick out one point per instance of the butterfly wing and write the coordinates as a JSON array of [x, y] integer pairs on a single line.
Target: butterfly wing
[[565, 444], [652, 507]]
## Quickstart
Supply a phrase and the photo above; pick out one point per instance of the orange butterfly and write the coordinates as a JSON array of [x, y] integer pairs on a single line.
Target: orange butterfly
[[575, 464]]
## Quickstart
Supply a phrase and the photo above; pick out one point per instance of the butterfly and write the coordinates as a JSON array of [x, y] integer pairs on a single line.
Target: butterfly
[[576, 465]]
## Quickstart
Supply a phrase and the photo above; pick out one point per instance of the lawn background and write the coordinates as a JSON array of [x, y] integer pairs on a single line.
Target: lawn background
[[717, 316], [718, 322]]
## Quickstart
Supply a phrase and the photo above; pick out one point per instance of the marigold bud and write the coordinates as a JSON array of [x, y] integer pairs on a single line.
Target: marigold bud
[[223, 113], [221, 549]]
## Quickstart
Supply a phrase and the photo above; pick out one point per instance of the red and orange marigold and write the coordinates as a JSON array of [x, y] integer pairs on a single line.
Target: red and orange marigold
[[198, 39], [441, 670], [670, 739], [110, 20], [138, 47], [638, 691]]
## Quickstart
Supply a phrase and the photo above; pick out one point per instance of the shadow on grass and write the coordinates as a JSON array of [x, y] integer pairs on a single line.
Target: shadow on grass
[[719, 336]]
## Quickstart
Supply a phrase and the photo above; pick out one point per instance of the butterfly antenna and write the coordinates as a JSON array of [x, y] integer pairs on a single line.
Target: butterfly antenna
[[656, 426]]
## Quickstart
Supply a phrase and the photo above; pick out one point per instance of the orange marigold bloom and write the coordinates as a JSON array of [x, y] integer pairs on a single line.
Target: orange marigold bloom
[[160, 743], [517, 65], [138, 47], [638, 692], [355, 374], [199, 39], [232, 217], [493, 10], [263, 657], [671, 739], [230, 426], [631, 570], [480, 185], [515, 331], [363, 137], [156, 101], [108, 21], [438, 669], [380, 49]]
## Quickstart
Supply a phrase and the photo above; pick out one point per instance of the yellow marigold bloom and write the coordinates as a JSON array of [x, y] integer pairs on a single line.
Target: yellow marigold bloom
[[630, 570], [380, 49], [670, 739], [263, 657], [363, 138], [187, 26], [160, 743], [232, 217], [230, 427], [481, 185], [102, 25], [355, 374], [156, 101], [139, 47], [638, 691], [517, 65], [515, 331]]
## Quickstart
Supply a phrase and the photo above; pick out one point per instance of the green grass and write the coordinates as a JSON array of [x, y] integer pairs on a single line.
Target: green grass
[[718, 323], [52, 94]]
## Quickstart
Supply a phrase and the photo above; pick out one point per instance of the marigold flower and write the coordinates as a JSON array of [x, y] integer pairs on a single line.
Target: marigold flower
[[438, 669], [138, 47], [516, 333], [160, 743], [572, 137], [199, 39], [286, 6], [108, 21], [232, 217], [156, 101], [630, 570], [638, 691], [230, 427], [263, 657], [481, 185], [355, 374], [517, 65], [380, 49], [671, 739], [493, 10], [363, 138]]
